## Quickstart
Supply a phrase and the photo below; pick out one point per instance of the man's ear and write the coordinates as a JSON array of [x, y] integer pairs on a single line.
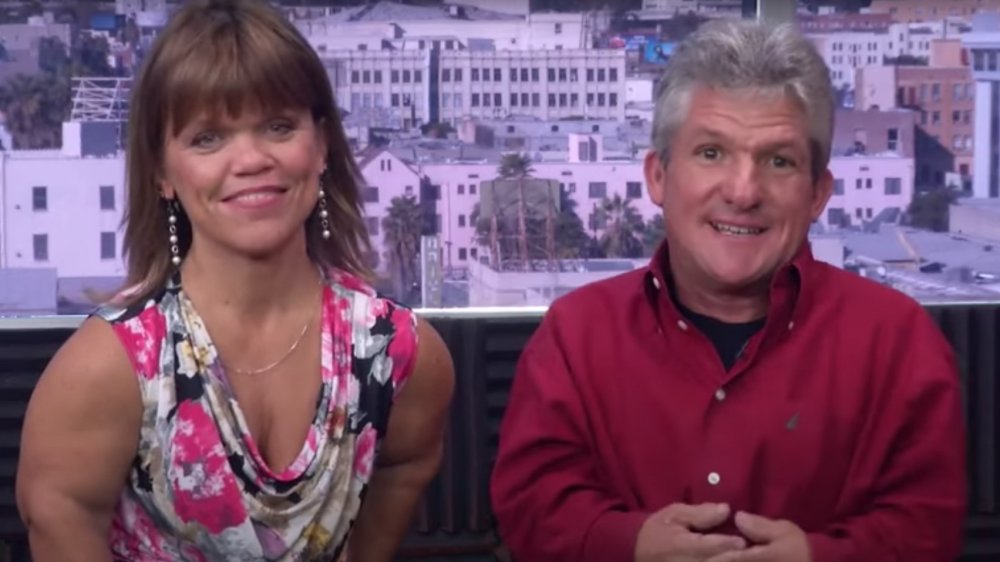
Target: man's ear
[[656, 177], [822, 191]]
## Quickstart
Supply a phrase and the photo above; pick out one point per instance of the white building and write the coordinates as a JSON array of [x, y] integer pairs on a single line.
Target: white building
[[707, 8], [546, 84], [869, 188], [62, 211], [984, 44], [386, 88], [854, 47], [465, 25], [405, 88]]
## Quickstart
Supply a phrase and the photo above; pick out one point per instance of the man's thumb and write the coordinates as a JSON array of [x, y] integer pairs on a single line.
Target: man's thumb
[[758, 529], [699, 517]]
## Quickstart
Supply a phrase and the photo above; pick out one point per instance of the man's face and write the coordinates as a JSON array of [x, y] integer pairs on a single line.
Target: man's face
[[737, 193]]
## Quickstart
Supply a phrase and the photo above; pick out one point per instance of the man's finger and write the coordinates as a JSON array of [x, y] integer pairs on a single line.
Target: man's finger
[[753, 554], [700, 517], [760, 529], [703, 546]]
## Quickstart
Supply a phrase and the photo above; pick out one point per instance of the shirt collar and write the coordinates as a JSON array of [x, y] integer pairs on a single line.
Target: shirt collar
[[789, 295]]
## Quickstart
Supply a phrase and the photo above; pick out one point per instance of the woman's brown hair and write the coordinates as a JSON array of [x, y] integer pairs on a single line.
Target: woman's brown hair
[[226, 56]]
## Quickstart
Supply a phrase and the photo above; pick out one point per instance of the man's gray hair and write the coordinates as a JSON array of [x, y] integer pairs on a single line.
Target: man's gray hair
[[746, 55]]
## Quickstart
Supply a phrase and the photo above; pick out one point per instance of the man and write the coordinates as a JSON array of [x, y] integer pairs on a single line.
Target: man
[[737, 401]]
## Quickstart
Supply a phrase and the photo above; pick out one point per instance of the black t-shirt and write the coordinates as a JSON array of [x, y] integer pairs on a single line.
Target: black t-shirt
[[728, 338]]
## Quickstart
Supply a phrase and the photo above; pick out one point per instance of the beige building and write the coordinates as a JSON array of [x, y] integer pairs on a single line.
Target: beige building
[[942, 97], [932, 10]]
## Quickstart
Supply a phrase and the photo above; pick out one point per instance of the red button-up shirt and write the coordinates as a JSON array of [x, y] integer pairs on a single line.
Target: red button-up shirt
[[843, 415]]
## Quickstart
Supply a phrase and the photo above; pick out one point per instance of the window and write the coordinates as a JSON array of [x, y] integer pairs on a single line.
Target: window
[[446, 75], [39, 198], [858, 184], [893, 186], [463, 254], [838, 187], [461, 189], [372, 224], [598, 189], [108, 246], [836, 217], [633, 190], [868, 183], [371, 195], [40, 247], [107, 195], [892, 140], [461, 220]]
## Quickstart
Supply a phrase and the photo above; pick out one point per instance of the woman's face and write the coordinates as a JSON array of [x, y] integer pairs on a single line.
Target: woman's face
[[247, 184]]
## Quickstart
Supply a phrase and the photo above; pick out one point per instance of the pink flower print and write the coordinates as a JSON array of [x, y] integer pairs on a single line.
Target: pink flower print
[[351, 282], [205, 491], [377, 308], [364, 452], [403, 347], [145, 334], [132, 530]]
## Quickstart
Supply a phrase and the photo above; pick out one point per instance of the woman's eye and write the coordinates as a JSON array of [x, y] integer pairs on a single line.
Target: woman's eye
[[206, 139], [281, 127]]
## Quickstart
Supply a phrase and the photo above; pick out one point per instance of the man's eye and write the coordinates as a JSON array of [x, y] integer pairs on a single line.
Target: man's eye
[[710, 153], [782, 162]]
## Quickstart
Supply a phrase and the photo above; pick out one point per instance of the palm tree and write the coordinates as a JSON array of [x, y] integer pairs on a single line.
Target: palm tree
[[517, 165], [401, 228], [622, 228]]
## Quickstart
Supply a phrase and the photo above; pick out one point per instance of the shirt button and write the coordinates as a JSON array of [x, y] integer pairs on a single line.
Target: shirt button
[[714, 478], [682, 325], [656, 283], [720, 395], [791, 325]]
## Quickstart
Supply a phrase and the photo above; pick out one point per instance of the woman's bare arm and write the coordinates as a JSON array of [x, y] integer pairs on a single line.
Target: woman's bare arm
[[411, 452], [80, 436]]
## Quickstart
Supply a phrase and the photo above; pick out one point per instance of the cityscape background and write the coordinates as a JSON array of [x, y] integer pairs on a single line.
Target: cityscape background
[[502, 141]]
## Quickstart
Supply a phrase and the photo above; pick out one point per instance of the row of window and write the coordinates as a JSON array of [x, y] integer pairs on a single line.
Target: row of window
[[958, 117], [40, 246], [918, 95], [487, 75], [395, 76], [837, 216], [531, 75], [891, 186], [40, 198], [555, 100]]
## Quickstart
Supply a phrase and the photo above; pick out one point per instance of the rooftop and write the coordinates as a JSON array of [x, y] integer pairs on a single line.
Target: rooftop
[[387, 12]]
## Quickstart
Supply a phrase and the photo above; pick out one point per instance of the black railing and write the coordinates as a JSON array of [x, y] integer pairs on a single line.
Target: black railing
[[455, 523]]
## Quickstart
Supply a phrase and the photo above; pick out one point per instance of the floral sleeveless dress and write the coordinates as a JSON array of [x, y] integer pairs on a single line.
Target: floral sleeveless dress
[[199, 489]]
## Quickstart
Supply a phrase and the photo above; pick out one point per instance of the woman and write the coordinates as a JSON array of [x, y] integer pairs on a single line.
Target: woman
[[230, 403]]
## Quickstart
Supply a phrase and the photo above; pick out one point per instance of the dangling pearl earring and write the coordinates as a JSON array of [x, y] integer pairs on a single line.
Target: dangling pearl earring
[[175, 252], [324, 215]]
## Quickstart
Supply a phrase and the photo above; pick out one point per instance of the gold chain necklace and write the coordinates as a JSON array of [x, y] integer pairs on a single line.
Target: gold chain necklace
[[291, 349]]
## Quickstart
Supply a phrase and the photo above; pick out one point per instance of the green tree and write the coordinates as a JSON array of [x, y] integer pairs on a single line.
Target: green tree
[[401, 228], [623, 228], [652, 235], [571, 236], [35, 106], [929, 210]]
